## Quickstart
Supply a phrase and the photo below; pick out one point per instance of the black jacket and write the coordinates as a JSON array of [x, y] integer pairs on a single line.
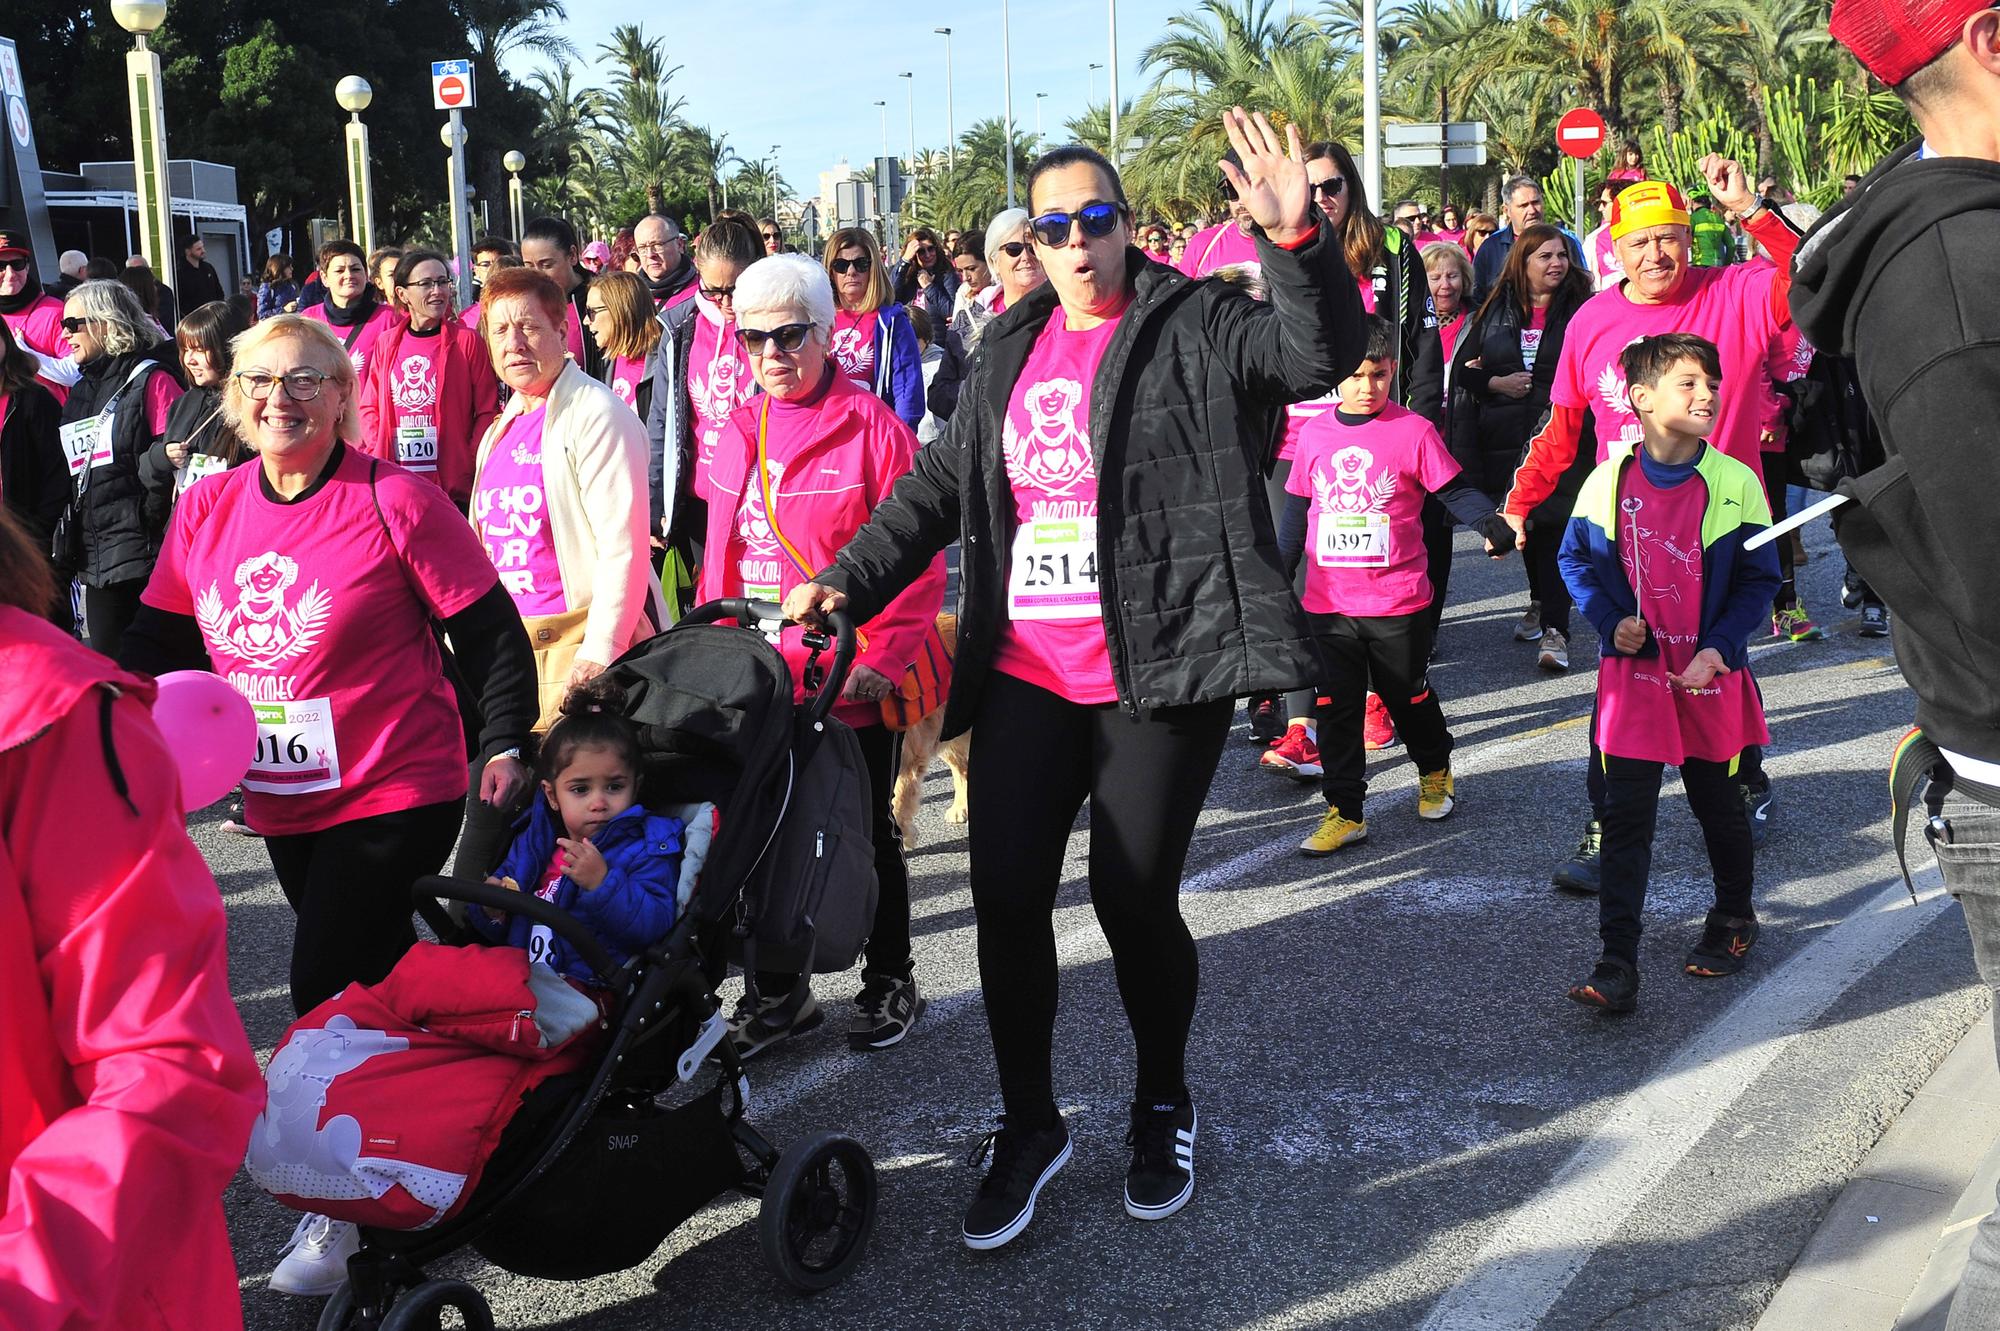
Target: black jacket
[[1902, 276], [196, 419], [1490, 431], [34, 474], [120, 543], [669, 418], [1196, 603], [196, 284]]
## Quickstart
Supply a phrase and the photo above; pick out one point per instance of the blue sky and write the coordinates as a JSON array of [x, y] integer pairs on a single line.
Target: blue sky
[[807, 77]]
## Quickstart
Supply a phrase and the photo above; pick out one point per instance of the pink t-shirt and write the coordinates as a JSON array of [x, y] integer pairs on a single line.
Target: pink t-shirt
[[364, 339], [1054, 636], [720, 381], [413, 403], [854, 346], [161, 394], [1299, 413], [1639, 714], [319, 613], [1605, 270], [1531, 337], [1364, 520], [510, 511], [627, 373], [1216, 247], [39, 328], [573, 333], [1731, 307]]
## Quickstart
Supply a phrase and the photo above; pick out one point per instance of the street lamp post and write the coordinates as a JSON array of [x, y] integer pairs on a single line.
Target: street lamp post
[[1371, 102], [452, 134], [354, 95], [774, 182], [514, 162], [950, 120], [1038, 122], [1117, 144], [912, 77], [1007, 96], [149, 136], [1093, 82]]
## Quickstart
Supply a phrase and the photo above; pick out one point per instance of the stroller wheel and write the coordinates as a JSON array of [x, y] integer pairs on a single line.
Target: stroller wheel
[[339, 1313], [818, 1209], [421, 1308]]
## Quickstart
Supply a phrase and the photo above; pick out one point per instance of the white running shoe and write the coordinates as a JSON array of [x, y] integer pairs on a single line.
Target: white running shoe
[[315, 1257]]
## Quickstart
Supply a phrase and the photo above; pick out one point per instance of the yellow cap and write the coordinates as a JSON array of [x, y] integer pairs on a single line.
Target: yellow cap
[[1648, 203]]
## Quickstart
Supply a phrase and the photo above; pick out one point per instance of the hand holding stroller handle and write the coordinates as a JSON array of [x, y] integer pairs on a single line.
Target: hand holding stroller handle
[[565, 925], [748, 612]]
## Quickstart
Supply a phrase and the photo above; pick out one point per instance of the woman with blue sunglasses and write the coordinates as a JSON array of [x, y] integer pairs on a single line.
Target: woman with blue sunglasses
[[1121, 588]]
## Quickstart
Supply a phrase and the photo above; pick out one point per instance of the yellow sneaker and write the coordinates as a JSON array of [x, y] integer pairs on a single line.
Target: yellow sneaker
[[1434, 794], [1334, 832]]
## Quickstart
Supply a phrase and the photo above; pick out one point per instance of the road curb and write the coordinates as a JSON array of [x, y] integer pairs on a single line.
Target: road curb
[[1889, 1253]]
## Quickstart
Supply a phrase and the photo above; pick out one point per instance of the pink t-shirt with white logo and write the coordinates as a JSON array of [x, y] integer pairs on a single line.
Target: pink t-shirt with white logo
[[319, 613], [1639, 713], [1299, 413], [719, 381], [413, 390], [370, 333], [1531, 337], [1054, 637], [627, 373], [854, 346], [1365, 486], [510, 512], [1731, 307]]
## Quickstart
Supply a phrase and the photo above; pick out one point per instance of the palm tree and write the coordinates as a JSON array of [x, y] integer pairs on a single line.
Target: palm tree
[[711, 157], [643, 120], [566, 120], [499, 28]]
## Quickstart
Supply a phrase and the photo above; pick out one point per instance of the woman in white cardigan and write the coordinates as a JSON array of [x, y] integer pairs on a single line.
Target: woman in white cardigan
[[559, 494]]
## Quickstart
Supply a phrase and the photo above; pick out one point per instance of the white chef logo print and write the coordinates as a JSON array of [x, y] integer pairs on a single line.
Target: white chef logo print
[[623, 389], [753, 522], [260, 630], [716, 392], [847, 348], [1648, 548], [1055, 452], [1617, 403], [1348, 490], [414, 385]]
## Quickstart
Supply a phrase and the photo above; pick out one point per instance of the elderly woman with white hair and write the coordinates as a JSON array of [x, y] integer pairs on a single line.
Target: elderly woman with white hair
[[798, 470], [1011, 257], [115, 412]]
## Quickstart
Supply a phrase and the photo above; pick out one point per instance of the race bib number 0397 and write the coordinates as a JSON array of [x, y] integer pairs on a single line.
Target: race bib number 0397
[[1353, 540]]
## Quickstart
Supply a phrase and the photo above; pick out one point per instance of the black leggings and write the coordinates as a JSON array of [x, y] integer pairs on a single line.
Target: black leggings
[[1632, 790], [1038, 757], [1545, 579], [888, 950], [349, 885], [1389, 653], [108, 611]]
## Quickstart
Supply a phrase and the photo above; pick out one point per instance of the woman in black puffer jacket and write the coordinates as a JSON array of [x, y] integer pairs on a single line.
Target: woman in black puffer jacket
[[1121, 587], [1501, 374]]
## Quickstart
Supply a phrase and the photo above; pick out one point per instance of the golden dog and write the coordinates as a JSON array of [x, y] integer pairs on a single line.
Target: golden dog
[[920, 745]]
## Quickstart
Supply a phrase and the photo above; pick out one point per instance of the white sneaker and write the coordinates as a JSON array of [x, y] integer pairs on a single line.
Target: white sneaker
[[1555, 651], [315, 1257]]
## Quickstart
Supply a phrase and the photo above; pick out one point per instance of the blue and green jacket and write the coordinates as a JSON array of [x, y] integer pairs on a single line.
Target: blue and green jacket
[[1736, 584]]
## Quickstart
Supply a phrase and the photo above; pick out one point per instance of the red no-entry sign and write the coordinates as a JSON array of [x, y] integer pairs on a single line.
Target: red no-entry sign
[[451, 90], [451, 85], [1581, 132]]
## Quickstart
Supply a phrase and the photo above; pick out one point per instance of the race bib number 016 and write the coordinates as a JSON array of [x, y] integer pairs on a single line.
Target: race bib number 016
[[1353, 540], [296, 753], [1054, 573]]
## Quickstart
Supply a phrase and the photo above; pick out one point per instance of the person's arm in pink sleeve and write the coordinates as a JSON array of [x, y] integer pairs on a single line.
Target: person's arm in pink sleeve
[[891, 639], [1780, 239], [161, 394], [114, 1211]]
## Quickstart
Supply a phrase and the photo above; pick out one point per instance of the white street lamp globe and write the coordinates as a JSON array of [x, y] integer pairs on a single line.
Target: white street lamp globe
[[353, 93], [444, 134], [514, 161], [139, 16]]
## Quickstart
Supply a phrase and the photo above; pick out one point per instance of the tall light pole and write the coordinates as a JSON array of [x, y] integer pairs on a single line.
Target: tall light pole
[[1371, 103], [354, 95], [149, 136], [1007, 95], [453, 135], [774, 181], [883, 107], [1038, 122], [514, 162], [950, 116], [1117, 144], [1093, 82], [912, 77]]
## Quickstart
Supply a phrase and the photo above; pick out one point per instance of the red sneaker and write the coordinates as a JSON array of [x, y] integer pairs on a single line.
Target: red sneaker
[[1292, 750], [1377, 730]]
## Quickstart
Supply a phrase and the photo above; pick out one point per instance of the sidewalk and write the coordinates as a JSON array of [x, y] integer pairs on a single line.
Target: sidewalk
[[1889, 1253]]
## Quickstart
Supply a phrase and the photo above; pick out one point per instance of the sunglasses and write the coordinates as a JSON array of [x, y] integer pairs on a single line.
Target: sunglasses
[[1482, 231], [789, 337], [1096, 219], [1014, 249], [300, 385], [17, 264], [718, 293], [1330, 188], [75, 325], [861, 265], [772, 235]]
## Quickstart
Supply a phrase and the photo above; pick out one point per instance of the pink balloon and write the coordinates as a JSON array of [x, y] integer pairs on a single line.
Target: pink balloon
[[210, 730]]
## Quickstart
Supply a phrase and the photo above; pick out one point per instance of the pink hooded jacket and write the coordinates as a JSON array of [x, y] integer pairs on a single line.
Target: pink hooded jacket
[[127, 1087]]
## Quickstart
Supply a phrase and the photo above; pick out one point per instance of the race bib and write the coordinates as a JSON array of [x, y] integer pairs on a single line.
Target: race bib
[[86, 443], [1353, 540], [541, 945], [417, 443], [198, 465], [296, 753], [1054, 573]]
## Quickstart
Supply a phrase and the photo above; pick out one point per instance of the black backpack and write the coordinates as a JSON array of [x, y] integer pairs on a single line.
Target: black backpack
[[810, 903]]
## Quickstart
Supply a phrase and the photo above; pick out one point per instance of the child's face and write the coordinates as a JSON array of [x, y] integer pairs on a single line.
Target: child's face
[[1684, 402], [1366, 391], [596, 787]]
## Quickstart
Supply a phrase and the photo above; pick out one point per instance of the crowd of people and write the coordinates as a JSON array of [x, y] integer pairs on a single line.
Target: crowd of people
[[1186, 473]]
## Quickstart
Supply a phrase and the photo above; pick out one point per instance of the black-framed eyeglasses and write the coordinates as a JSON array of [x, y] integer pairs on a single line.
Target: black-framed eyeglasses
[[655, 247], [1013, 249], [788, 337], [863, 264], [428, 284], [1330, 188], [1054, 229], [718, 293], [73, 326], [1228, 190], [300, 385], [17, 263], [592, 311]]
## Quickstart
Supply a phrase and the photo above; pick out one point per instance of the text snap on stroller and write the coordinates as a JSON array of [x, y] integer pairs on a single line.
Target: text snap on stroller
[[594, 1169]]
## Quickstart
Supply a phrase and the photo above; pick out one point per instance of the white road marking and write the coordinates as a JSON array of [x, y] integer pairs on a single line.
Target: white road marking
[[1538, 1248]]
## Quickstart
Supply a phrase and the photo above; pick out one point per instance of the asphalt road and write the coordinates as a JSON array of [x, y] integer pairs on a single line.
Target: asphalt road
[[1404, 1123]]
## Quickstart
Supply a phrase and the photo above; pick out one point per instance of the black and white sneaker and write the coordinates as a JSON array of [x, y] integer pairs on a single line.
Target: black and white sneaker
[[1023, 1160], [1161, 1178], [1874, 621], [755, 1027], [886, 1008]]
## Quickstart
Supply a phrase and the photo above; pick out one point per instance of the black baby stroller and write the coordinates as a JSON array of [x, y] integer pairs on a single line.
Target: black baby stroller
[[595, 1169]]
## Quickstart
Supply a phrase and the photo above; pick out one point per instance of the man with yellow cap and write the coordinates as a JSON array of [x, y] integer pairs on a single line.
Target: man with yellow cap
[[1743, 309]]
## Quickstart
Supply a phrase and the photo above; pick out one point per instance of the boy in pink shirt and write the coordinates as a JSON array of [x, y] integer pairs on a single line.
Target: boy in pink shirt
[[1655, 557], [1359, 480]]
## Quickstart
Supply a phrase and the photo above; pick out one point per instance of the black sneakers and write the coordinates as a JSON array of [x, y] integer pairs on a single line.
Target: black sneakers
[[887, 1007], [1580, 872], [1725, 941], [1613, 986], [1161, 1178], [1267, 719], [1022, 1161]]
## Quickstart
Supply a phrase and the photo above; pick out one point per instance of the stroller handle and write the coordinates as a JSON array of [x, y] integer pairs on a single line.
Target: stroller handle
[[745, 611], [565, 925]]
